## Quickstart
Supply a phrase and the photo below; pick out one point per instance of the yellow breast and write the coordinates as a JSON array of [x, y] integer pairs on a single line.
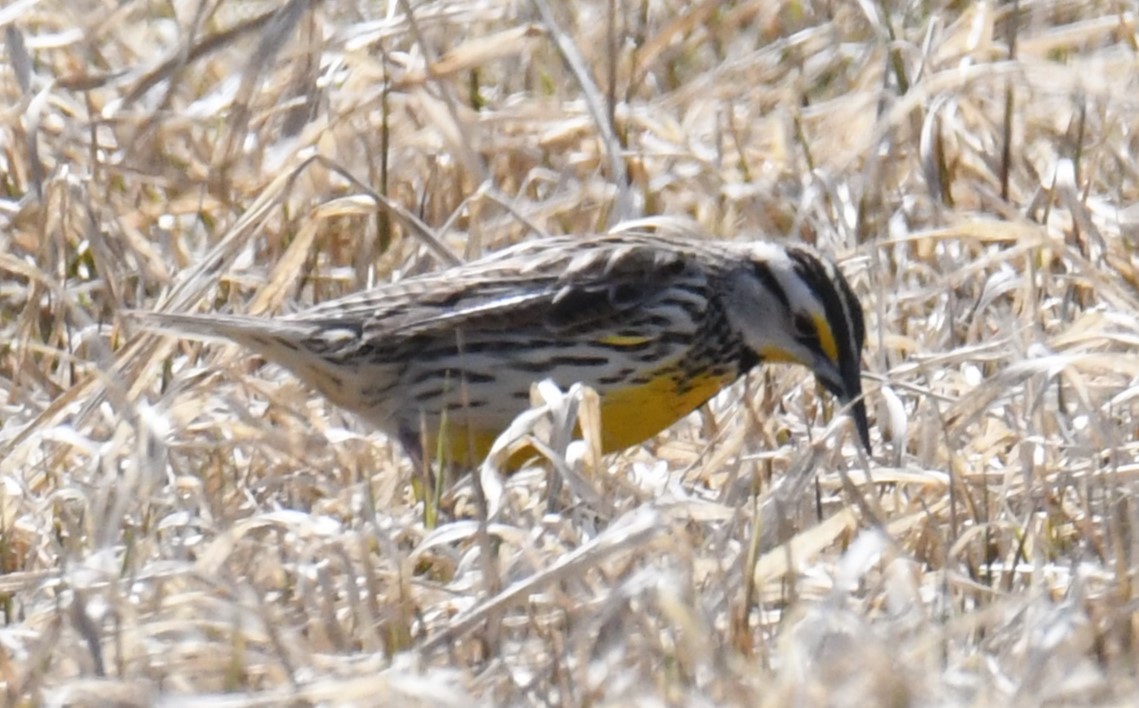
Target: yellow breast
[[632, 415], [629, 416]]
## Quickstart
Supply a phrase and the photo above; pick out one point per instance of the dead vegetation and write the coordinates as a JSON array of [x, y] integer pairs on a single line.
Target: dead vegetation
[[181, 523]]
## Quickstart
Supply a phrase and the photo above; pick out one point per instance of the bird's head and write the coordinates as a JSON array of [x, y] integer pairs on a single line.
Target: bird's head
[[792, 305]]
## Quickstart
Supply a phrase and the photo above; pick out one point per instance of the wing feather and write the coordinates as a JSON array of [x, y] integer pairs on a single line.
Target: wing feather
[[551, 287]]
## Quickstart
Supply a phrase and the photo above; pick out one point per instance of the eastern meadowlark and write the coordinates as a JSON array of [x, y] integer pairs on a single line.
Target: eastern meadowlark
[[656, 324]]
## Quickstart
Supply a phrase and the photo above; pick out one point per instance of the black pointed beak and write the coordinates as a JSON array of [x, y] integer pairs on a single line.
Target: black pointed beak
[[847, 387], [858, 412]]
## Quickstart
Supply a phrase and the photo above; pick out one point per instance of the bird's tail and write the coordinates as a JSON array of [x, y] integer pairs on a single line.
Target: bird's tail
[[254, 332], [308, 349]]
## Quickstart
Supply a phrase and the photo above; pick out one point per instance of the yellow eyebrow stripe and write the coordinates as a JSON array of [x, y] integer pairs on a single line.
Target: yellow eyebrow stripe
[[826, 338]]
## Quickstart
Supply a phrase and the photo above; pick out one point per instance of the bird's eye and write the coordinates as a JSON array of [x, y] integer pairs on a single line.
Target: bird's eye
[[805, 330]]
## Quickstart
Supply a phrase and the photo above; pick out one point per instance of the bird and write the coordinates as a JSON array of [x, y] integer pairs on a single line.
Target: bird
[[655, 323]]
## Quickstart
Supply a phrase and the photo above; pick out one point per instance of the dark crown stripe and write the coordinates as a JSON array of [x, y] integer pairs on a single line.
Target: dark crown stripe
[[839, 303], [765, 276]]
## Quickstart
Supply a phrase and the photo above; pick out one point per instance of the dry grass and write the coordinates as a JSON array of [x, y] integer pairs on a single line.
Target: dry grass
[[181, 524]]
